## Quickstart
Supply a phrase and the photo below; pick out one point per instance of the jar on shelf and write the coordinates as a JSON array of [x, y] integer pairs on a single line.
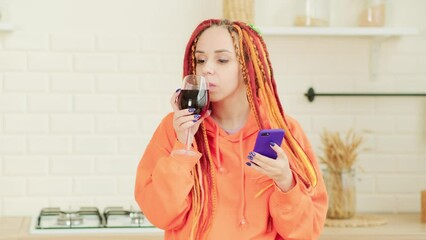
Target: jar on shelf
[[311, 13], [341, 191], [373, 13]]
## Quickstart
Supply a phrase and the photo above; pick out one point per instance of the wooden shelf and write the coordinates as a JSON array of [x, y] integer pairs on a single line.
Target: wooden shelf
[[6, 27], [338, 31]]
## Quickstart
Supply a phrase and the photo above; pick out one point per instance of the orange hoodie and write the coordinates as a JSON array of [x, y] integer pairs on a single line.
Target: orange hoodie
[[163, 186]]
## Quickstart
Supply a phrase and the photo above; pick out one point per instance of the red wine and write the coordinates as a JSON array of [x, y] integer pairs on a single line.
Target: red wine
[[198, 99]]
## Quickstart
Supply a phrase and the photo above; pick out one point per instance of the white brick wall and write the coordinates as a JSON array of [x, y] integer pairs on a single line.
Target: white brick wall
[[49, 144], [26, 82], [95, 63], [49, 103], [80, 97], [72, 123], [25, 123], [72, 42], [49, 62], [13, 61], [12, 144], [118, 43], [75, 83], [26, 41], [72, 165]]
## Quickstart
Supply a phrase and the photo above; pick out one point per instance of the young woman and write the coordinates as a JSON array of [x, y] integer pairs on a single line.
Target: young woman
[[227, 191]]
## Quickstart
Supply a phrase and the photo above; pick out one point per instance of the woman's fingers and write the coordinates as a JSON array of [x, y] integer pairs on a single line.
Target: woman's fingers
[[200, 120], [280, 152], [173, 100], [185, 120], [263, 160], [270, 167]]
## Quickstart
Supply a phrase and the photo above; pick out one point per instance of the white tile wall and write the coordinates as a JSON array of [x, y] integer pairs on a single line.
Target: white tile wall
[[81, 95]]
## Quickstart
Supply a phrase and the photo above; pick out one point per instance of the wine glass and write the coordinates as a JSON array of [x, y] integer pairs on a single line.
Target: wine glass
[[194, 94]]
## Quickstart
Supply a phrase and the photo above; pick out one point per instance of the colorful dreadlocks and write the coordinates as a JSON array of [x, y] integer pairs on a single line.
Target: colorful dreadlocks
[[264, 101]]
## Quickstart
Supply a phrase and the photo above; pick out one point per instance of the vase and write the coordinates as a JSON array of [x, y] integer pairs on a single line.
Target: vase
[[341, 193], [238, 10]]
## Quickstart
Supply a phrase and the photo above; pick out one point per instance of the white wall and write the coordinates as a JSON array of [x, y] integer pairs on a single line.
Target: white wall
[[84, 83]]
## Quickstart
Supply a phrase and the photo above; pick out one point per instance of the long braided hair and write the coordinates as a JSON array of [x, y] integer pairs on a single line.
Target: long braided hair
[[263, 99]]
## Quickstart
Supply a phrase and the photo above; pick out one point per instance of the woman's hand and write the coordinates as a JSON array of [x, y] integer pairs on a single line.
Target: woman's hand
[[277, 169], [184, 120]]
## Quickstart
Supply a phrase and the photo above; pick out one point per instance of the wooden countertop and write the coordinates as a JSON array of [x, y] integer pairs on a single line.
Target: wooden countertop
[[399, 227], [403, 226]]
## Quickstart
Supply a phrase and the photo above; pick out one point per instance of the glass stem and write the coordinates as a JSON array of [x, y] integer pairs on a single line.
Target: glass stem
[[188, 140]]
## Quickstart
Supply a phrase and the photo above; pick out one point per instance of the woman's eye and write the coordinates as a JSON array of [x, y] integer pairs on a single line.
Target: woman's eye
[[199, 61], [223, 60]]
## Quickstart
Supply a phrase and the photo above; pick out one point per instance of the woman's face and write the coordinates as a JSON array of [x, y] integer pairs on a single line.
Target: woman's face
[[215, 59]]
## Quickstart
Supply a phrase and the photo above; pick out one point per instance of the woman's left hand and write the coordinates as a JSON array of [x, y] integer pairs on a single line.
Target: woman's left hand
[[277, 169]]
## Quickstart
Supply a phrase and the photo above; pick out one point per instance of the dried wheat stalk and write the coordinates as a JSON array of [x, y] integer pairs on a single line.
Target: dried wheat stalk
[[340, 156]]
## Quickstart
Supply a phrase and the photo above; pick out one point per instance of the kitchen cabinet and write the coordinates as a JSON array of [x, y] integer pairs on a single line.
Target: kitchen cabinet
[[378, 35], [399, 227]]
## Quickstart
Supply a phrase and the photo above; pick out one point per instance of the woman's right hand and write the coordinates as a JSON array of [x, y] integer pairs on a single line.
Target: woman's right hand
[[184, 120]]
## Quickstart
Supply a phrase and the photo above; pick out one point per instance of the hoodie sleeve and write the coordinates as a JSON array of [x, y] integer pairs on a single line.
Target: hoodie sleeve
[[163, 183], [296, 214]]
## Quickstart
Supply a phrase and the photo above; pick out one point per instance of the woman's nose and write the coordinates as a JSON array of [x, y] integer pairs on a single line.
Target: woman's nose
[[207, 68]]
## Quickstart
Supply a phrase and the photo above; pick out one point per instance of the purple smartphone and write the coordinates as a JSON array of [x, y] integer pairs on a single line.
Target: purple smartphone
[[264, 137]]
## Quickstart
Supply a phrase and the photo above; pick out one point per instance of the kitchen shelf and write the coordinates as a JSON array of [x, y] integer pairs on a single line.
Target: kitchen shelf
[[378, 35], [6, 27], [338, 31]]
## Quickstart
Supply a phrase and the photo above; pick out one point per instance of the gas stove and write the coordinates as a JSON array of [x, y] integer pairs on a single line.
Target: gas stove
[[91, 220]]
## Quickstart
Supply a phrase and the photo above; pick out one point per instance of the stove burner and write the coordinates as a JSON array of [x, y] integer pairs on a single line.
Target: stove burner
[[55, 218], [136, 217], [90, 217], [69, 219]]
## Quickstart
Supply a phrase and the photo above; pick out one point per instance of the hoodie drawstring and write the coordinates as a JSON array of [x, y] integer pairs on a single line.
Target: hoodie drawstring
[[243, 219], [219, 160]]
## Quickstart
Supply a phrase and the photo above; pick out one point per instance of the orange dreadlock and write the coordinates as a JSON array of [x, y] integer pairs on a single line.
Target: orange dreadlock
[[263, 99]]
